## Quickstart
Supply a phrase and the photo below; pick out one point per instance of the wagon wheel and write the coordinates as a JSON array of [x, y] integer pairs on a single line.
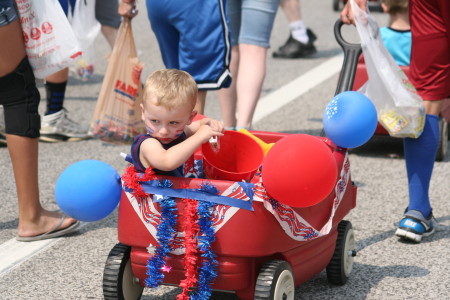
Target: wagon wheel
[[341, 264], [119, 282], [275, 281], [443, 140]]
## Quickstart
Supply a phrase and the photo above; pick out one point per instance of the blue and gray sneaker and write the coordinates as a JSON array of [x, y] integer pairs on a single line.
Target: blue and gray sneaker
[[414, 226]]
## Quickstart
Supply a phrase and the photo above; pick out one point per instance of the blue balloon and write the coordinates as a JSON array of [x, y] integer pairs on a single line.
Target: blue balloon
[[350, 119], [88, 190]]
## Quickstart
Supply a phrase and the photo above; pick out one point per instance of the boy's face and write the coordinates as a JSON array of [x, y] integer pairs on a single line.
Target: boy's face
[[163, 124]]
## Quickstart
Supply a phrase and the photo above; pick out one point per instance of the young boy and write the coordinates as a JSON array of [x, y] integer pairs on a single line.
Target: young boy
[[397, 37], [168, 105]]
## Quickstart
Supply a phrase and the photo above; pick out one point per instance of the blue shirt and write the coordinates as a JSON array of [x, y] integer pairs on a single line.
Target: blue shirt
[[398, 43]]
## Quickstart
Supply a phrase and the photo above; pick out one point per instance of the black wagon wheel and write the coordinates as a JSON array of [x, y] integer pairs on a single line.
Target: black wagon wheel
[[119, 282], [275, 281], [341, 264], [443, 140]]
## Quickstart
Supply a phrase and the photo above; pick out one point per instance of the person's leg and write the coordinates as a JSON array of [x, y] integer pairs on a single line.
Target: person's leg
[[106, 12], [110, 34], [55, 87], [56, 126], [228, 96], [430, 74], [300, 42], [255, 31], [33, 219], [292, 10], [252, 71], [200, 104]]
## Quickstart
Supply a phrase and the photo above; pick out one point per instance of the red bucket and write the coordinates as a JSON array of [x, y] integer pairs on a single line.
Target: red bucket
[[238, 158]]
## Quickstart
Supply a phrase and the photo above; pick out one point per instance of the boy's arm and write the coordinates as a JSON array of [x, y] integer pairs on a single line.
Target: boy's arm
[[153, 154], [194, 126]]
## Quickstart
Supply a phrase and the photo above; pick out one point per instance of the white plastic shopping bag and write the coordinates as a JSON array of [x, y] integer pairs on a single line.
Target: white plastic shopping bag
[[400, 109], [86, 28], [49, 40]]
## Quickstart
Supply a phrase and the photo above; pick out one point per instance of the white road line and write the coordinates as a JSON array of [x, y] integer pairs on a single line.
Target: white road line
[[297, 87], [13, 253]]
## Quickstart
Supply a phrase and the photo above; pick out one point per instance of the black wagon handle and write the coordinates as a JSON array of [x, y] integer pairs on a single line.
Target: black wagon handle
[[351, 56]]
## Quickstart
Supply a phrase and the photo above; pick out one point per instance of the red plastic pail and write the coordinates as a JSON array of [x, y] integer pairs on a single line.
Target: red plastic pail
[[238, 158]]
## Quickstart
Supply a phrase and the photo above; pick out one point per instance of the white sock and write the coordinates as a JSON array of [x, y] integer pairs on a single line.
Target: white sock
[[298, 31]]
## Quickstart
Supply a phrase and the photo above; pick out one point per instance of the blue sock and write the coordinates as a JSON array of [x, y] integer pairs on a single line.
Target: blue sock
[[420, 154], [55, 96]]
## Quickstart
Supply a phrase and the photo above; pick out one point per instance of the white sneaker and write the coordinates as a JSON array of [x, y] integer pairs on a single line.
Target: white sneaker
[[2, 127], [57, 127]]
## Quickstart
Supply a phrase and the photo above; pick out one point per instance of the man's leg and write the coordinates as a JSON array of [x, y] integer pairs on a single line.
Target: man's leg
[[301, 38]]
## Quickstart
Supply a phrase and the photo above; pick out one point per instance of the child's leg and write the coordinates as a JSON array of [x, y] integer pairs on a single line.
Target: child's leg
[[420, 154]]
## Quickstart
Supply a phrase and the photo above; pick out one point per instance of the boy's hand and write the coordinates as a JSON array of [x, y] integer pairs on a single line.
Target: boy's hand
[[205, 132], [216, 125]]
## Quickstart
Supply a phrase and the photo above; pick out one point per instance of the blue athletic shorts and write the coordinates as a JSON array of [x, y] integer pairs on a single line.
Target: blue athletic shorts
[[193, 36], [251, 21], [65, 4], [8, 12]]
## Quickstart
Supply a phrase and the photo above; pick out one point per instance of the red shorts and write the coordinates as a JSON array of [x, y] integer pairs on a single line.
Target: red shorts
[[430, 53]]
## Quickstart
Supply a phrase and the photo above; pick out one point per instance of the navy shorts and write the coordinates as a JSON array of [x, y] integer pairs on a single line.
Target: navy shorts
[[193, 36]]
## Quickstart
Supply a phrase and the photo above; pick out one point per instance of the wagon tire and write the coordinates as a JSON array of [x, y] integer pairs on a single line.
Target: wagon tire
[[118, 279], [275, 281], [443, 139], [341, 264]]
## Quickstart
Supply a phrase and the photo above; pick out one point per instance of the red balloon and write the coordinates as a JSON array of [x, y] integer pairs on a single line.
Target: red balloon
[[299, 170]]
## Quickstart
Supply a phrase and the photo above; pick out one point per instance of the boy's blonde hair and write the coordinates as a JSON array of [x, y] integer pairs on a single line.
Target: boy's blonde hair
[[396, 6], [171, 88]]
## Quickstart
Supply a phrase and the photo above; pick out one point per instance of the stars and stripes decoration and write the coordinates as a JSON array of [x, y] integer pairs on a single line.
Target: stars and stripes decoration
[[292, 223]]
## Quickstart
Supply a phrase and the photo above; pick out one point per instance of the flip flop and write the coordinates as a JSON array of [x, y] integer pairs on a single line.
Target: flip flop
[[54, 233]]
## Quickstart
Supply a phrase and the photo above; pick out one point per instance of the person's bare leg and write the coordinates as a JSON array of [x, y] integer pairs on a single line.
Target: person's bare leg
[[33, 219], [227, 96], [58, 77], [291, 9], [252, 70], [110, 34], [200, 104], [434, 107]]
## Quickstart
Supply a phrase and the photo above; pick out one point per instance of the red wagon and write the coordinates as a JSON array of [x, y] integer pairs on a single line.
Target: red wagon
[[263, 251], [287, 245]]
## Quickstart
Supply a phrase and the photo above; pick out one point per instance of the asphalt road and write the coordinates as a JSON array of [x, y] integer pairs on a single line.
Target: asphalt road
[[385, 268]]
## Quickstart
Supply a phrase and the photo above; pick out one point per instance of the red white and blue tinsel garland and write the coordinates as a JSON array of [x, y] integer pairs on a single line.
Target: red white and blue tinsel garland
[[197, 222]]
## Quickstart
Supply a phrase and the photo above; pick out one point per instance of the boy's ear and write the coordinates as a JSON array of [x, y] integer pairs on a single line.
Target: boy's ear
[[193, 114]]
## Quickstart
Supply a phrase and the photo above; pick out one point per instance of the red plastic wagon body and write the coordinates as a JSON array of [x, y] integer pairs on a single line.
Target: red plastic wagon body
[[247, 240]]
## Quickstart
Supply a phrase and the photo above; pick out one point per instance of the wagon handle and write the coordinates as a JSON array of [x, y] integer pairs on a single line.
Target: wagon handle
[[351, 56]]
